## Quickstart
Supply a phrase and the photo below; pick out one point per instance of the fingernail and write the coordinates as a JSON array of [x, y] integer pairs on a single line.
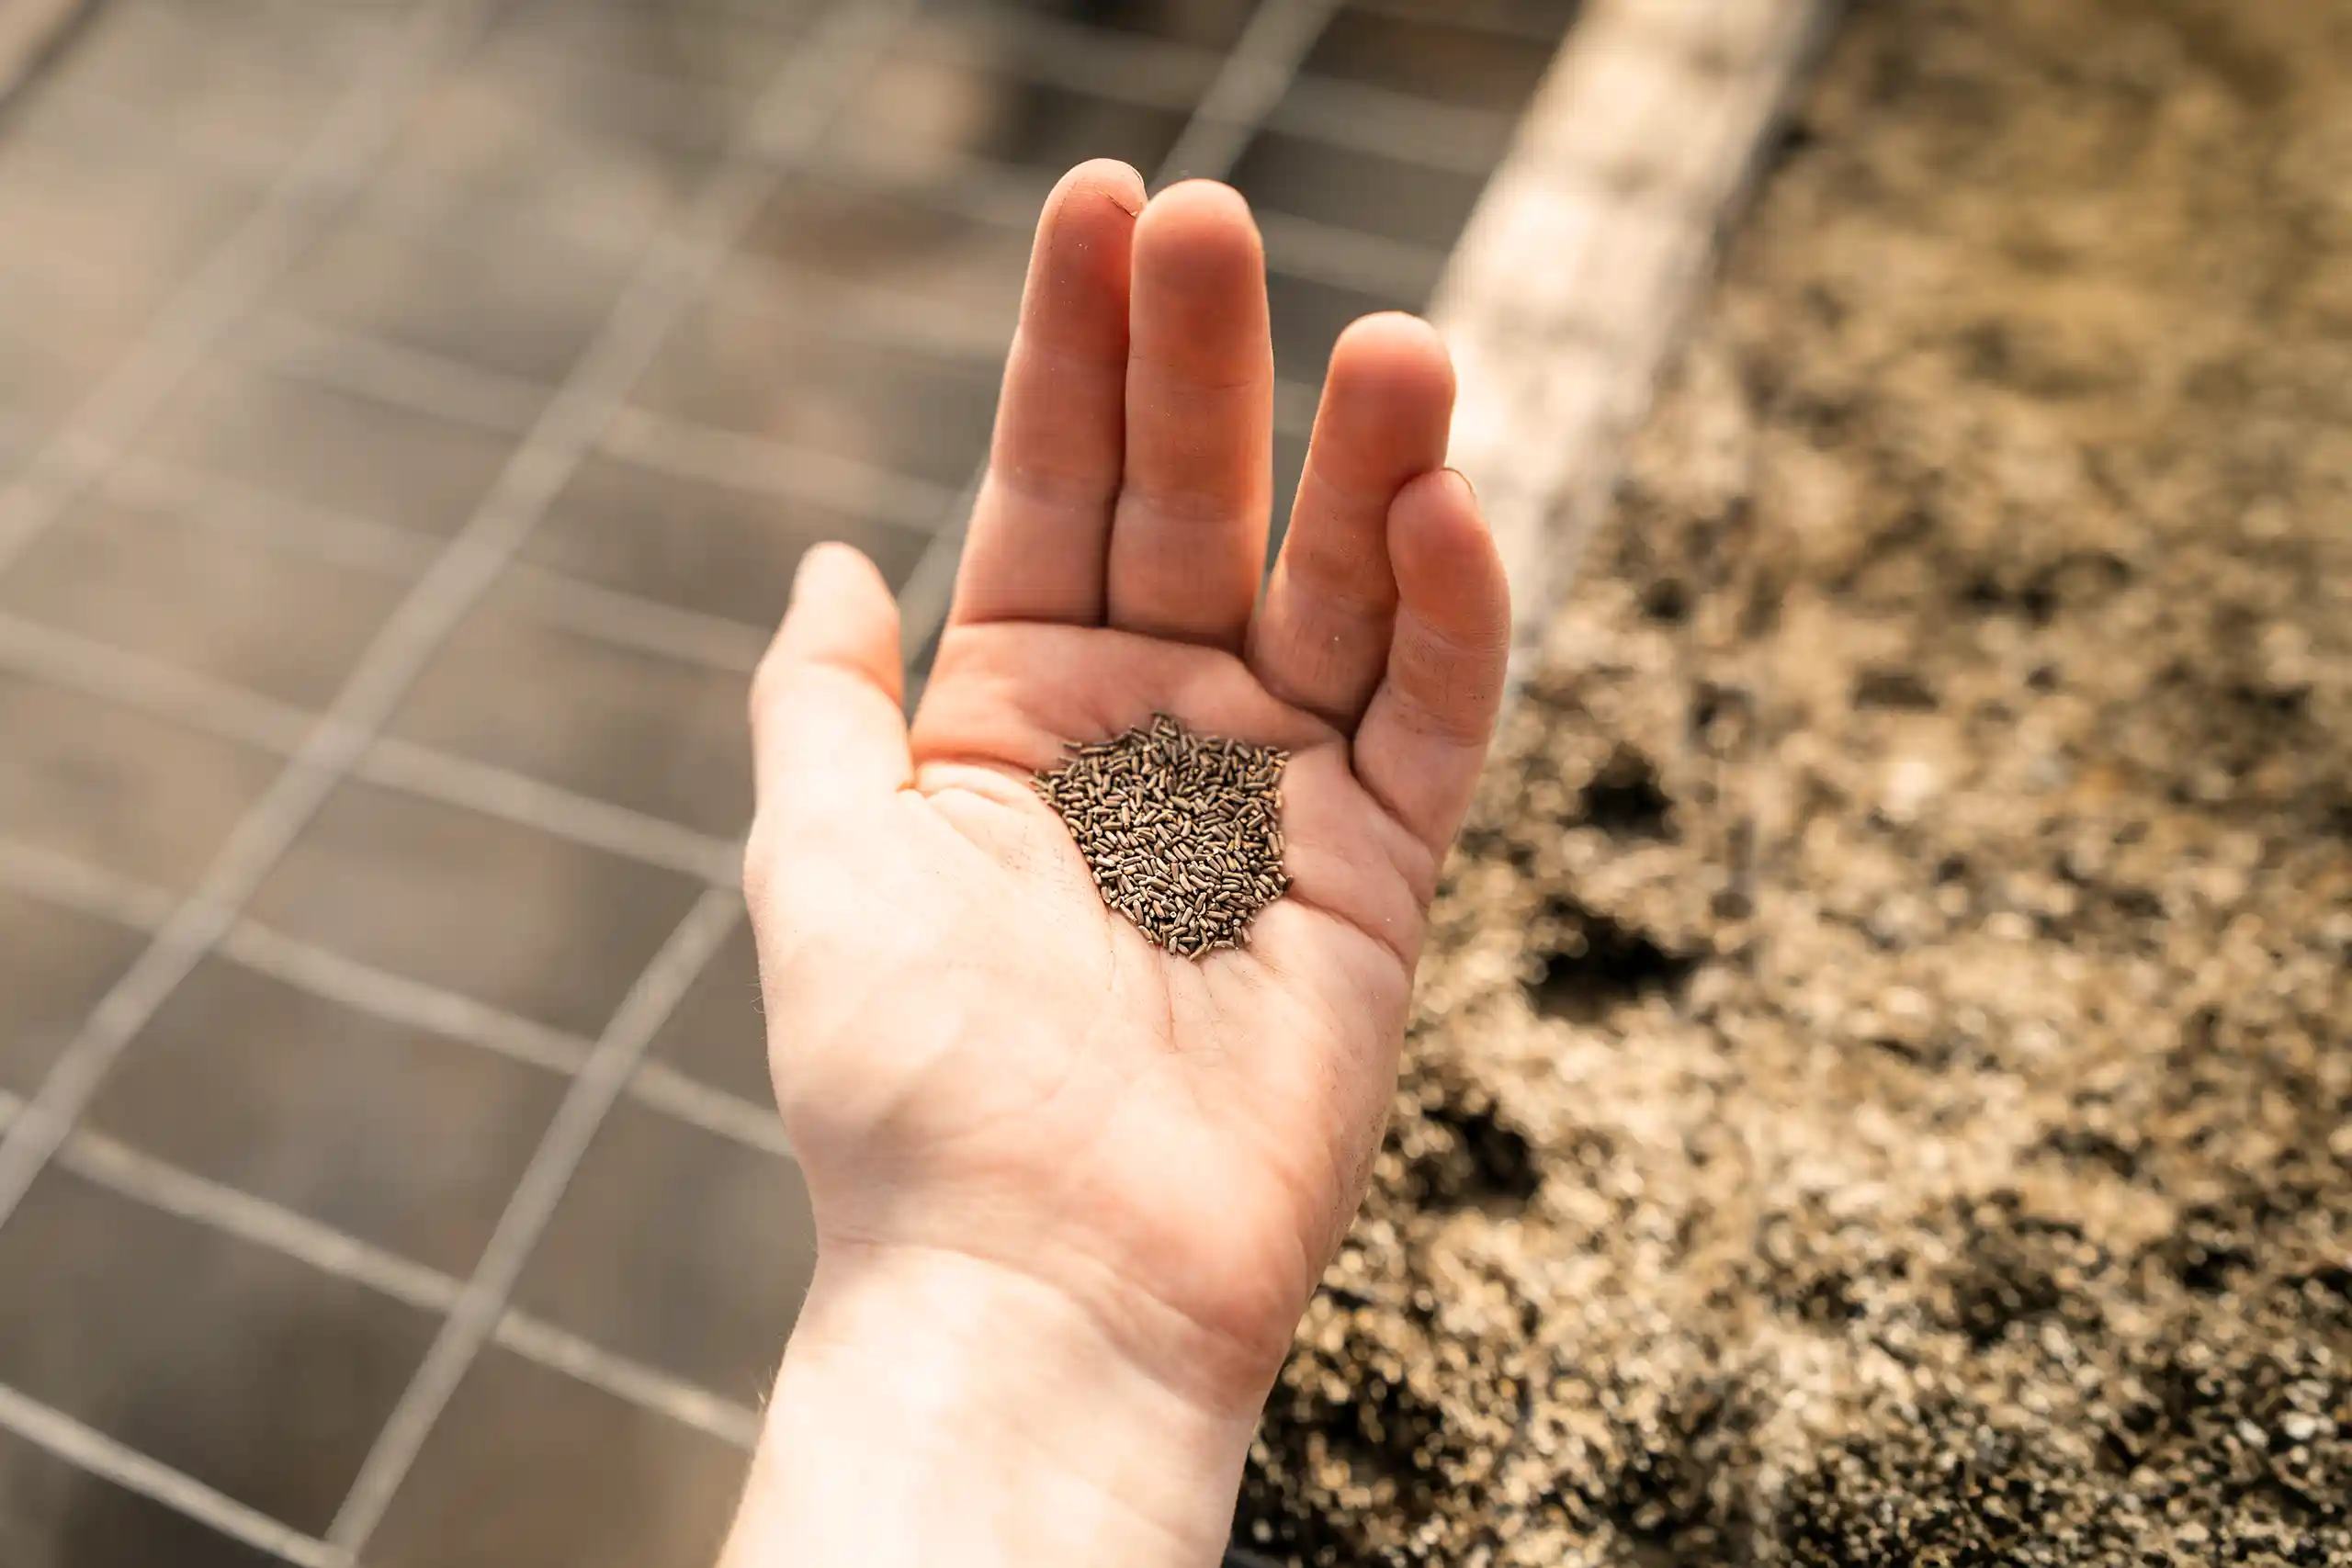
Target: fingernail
[[1458, 474]]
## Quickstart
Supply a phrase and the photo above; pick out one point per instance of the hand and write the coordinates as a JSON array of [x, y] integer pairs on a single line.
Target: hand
[[1053, 1167]]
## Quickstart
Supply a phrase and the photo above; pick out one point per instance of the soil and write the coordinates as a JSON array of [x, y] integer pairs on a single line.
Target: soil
[[1879, 1092]]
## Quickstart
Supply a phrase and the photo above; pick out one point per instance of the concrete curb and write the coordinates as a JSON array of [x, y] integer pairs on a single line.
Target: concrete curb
[[1566, 296]]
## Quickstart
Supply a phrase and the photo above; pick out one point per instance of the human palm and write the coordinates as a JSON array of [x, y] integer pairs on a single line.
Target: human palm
[[977, 1058]]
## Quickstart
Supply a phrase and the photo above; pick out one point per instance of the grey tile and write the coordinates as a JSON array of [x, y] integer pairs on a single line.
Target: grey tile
[[698, 545], [208, 597], [19, 438], [54, 1514], [265, 72], [531, 1470], [736, 47], [1290, 461], [610, 722], [1211, 24], [1359, 191], [1429, 57], [99, 233], [505, 298], [119, 789], [1308, 318], [499, 912], [255, 1374], [919, 667], [328, 447], [53, 353], [791, 379], [684, 1249], [55, 964], [921, 118], [292, 1098], [825, 232], [534, 135], [719, 1035], [98, 221]]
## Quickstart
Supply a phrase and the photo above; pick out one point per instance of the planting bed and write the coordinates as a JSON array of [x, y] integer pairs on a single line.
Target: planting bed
[[1880, 1087]]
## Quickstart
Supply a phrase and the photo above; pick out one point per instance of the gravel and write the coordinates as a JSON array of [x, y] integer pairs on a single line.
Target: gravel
[[1880, 1090]]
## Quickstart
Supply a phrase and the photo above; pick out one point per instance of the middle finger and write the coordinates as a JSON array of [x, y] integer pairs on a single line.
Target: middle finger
[[1188, 539]]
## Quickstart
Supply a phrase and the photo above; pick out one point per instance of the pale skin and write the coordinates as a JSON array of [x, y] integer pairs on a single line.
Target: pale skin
[[1072, 1193]]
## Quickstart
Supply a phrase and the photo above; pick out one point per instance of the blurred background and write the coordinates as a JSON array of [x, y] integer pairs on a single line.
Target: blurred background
[[411, 413]]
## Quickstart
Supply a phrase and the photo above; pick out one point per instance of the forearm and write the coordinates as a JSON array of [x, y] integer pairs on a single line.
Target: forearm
[[939, 1412]]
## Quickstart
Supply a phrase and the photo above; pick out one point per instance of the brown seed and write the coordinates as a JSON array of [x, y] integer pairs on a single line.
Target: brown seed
[[1182, 832]]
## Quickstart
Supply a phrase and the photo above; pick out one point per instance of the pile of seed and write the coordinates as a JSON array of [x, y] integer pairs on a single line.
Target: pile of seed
[[1183, 832]]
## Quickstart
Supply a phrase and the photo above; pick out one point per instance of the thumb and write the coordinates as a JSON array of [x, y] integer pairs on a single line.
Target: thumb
[[828, 732]]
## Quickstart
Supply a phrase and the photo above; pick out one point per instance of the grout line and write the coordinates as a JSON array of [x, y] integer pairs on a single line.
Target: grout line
[[168, 1189], [612, 616], [396, 999], [631, 1382], [160, 1185], [93, 1451], [1369, 264], [690, 636], [201, 313], [474, 1319], [214, 708], [1006, 196], [337, 538], [392, 372], [60, 880], [427, 383], [1249, 84], [499, 404], [391, 998], [146, 685], [1359, 117], [562, 813], [1333, 112], [1155, 73], [866, 315], [763, 467], [662, 1088]]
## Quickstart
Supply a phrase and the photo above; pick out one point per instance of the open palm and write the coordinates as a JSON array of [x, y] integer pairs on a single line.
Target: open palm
[[975, 1057]]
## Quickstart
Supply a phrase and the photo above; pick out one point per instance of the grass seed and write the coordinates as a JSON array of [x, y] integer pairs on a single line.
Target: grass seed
[[1181, 831]]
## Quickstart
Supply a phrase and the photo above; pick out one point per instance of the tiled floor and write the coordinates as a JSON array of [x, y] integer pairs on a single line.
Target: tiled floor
[[411, 413]]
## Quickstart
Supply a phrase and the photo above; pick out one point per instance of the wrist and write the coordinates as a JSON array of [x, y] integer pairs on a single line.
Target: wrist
[[935, 1408]]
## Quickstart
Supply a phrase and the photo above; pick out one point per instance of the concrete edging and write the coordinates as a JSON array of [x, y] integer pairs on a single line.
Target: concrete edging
[[1566, 294]]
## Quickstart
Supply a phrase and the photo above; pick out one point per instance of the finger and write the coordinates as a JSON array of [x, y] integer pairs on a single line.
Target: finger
[[1424, 736], [1041, 524], [1189, 538], [1321, 637], [828, 734]]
